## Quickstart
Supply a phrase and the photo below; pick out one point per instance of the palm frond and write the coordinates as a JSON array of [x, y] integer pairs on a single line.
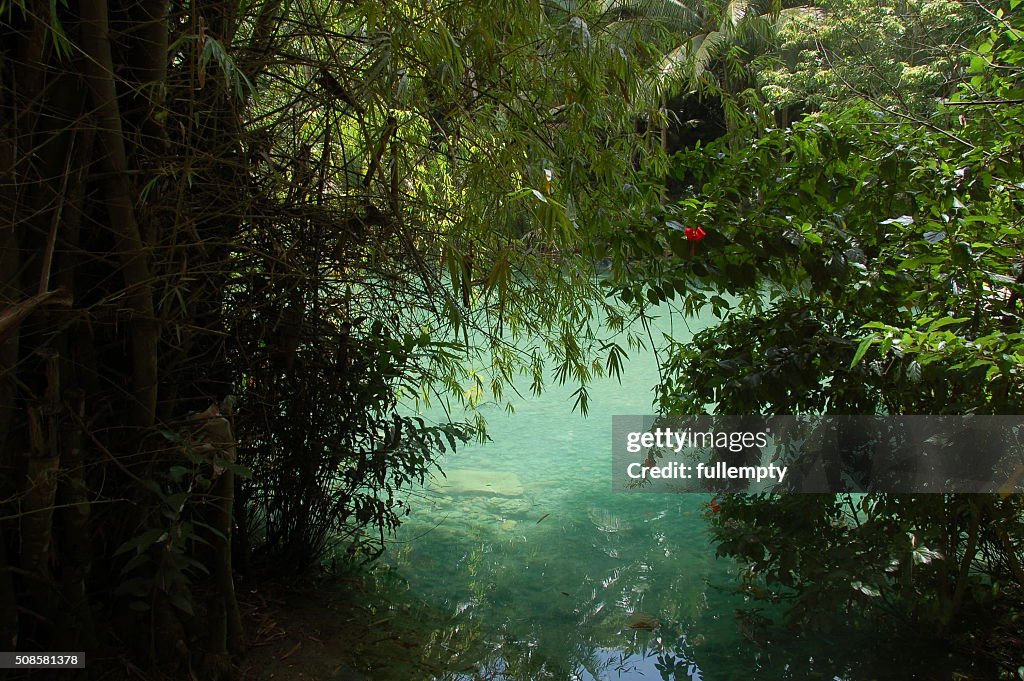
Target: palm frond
[[688, 63]]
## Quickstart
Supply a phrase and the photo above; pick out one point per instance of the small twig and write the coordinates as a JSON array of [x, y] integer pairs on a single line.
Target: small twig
[[51, 241], [986, 102], [291, 652]]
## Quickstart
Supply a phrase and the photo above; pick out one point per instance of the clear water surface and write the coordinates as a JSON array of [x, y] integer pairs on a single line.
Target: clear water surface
[[539, 571]]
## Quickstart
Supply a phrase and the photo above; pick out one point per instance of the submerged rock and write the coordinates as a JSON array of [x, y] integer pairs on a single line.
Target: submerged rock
[[480, 482], [642, 620]]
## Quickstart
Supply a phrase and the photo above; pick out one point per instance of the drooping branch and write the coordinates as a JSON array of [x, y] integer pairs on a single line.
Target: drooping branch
[[17, 313]]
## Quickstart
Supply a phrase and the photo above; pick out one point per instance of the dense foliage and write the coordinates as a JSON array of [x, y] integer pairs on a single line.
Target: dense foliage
[[236, 235], [862, 264], [900, 54], [237, 239]]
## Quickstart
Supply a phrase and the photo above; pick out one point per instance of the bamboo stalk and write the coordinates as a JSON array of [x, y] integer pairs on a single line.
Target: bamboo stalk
[[131, 249]]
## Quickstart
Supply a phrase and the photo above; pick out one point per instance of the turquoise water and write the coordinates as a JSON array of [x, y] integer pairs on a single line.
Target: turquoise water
[[539, 571]]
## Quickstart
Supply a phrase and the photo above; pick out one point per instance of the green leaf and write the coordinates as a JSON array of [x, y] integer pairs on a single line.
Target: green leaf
[[136, 561], [866, 589], [862, 349], [143, 541], [236, 468], [181, 601], [923, 555], [914, 371], [177, 473], [171, 436], [946, 321]]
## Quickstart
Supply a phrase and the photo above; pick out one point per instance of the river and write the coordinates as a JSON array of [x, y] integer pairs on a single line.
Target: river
[[532, 568]]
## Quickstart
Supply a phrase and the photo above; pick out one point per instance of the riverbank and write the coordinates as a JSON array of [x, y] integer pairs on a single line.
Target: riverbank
[[340, 628]]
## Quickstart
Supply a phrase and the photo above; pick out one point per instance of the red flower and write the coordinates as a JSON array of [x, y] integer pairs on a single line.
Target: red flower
[[715, 506], [649, 462], [694, 233]]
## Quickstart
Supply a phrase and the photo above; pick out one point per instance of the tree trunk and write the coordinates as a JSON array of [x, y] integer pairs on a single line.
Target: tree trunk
[[970, 549], [38, 499], [131, 249], [75, 533], [225, 634]]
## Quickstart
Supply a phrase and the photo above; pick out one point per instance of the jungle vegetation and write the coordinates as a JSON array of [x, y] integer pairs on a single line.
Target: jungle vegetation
[[234, 236], [877, 271]]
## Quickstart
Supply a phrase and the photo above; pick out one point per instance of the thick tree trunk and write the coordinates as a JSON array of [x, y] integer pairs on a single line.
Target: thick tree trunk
[[131, 249], [225, 634], [148, 63]]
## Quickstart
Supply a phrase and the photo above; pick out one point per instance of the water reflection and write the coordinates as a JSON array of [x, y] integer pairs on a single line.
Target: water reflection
[[543, 573], [621, 592], [572, 601], [538, 571]]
